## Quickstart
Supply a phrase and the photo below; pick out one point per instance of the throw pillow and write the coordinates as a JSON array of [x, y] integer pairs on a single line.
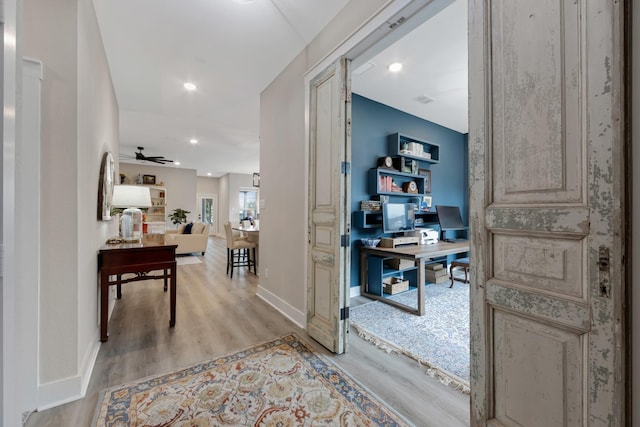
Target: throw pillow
[[198, 228], [187, 228]]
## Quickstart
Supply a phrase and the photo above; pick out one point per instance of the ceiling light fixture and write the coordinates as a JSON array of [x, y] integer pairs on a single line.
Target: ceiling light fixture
[[209, 173], [176, 163], [193, 141], [243, 1], [190, 86], [395, 67]]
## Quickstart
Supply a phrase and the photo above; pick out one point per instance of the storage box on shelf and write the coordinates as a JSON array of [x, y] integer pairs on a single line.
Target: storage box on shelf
[[379, 274]]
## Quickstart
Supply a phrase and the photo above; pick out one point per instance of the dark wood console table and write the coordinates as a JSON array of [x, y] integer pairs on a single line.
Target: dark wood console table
[[416, 253], [139, 259]]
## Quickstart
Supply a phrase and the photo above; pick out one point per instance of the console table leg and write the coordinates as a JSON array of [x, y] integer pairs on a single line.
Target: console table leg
[[104, 306], [165, 279], [119, 287]]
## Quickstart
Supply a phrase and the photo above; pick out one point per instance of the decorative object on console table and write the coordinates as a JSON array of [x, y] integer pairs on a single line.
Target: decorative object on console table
[[105, 186], [131, 197]]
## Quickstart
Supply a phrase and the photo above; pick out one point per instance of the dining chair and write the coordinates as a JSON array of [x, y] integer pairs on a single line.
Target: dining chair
[[238, 251]]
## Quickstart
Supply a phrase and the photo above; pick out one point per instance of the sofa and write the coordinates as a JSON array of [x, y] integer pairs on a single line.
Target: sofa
[[189, 239]]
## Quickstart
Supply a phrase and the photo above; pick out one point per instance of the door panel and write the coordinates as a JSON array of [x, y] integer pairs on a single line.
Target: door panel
[[546, 198], [329, 149], [539, 363]]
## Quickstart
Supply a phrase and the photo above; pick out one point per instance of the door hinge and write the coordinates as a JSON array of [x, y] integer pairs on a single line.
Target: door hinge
[[345, 240], [603, 267], [345, 168], [344, 313]]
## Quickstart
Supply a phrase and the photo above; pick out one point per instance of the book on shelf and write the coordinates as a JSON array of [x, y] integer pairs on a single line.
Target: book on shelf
[[370, 205]]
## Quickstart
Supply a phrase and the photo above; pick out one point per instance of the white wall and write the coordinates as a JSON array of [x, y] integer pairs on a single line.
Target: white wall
[[283, 220], [235, 183], [79, 123], [181, 185]]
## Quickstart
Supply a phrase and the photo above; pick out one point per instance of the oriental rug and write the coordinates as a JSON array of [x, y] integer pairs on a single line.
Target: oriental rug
[[278, 383], [439, 339]]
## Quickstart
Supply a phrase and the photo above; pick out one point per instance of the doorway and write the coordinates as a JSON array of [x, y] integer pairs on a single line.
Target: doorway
[[208, 211], [530, 199]]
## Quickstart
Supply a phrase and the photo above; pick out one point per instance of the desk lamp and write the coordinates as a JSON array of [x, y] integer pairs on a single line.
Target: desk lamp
[[131, 197]]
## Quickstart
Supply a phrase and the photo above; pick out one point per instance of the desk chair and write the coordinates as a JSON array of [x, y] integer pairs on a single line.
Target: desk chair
[[462, 263], [238, 251]]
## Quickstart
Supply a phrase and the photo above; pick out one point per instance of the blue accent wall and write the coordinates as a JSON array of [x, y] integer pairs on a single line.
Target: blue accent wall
[[372, 122]]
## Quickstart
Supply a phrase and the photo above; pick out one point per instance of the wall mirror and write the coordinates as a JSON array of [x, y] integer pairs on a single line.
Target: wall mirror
[[105, 186]]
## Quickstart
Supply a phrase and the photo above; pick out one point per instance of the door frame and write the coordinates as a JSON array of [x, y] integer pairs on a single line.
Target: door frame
[[372, 37], [213, 230]]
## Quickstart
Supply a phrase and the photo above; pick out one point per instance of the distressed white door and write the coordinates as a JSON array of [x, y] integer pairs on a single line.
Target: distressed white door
[[546, 188], [329, 181]]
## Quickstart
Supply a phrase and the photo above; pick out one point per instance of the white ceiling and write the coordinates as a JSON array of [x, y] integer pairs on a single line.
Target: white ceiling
[[232, 51]]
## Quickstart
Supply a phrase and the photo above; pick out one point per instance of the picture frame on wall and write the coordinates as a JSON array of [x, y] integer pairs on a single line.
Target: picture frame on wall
[[149, 179], [427, 182], [256, 179]]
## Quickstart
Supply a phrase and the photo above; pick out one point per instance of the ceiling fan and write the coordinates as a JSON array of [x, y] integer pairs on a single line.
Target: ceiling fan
[[155, 159]]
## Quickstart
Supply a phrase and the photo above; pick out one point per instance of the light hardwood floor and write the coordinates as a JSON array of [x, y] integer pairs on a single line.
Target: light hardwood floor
[[217, 315]]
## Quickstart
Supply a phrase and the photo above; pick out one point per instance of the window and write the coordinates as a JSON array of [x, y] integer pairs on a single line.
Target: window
[[248, 204]]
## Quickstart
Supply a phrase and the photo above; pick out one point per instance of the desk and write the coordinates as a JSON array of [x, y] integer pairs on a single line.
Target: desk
[[139, 259], [418, 253]]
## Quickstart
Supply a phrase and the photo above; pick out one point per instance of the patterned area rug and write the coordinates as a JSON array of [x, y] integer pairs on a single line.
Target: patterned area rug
[[439, 339], [279, 383]]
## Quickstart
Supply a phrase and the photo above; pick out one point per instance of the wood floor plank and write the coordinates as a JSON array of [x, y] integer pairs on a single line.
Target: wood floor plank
[[217, 315]]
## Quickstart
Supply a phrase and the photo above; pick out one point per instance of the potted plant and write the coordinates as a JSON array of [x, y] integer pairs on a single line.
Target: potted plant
[[178, 216]]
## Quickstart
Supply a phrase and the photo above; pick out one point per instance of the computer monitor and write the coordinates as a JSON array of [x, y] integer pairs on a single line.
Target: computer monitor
[[397, 217], [449, 218]]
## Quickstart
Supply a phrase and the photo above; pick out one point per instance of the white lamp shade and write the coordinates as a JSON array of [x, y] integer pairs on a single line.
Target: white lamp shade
[[126, 196]]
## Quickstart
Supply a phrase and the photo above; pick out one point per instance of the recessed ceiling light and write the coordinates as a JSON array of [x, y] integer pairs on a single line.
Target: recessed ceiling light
[[190, 86], [193, 141], [209, 174], [176, 163], [243, 1], [395, 67]]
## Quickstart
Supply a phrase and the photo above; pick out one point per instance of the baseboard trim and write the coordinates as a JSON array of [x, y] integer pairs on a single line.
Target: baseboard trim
[[59, 392], [354, 291], [287, 310], [67, 390]]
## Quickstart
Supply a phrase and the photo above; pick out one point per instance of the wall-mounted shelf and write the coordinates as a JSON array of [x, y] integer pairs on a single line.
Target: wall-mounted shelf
[[413, 148], [379, 179], [373, 219]]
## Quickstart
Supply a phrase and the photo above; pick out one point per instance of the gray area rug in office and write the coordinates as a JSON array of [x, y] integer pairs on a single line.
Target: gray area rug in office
[[439, 339]]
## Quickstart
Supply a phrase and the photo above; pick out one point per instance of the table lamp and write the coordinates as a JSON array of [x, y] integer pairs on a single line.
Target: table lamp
[[131, 197]]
